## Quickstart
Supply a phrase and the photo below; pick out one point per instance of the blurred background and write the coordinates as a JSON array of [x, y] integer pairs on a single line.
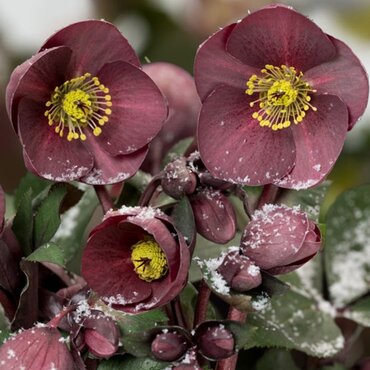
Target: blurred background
[[171, 30]]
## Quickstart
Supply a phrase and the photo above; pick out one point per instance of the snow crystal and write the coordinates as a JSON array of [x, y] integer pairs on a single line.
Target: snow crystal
[[70, 174], [350, 266], [261, 302]]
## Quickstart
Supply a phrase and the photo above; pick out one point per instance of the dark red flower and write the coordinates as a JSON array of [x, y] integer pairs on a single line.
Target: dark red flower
[[279, 96], [169, 346], [83, 108], [280, 239], [136, 260], [214, 341], [39, 348]]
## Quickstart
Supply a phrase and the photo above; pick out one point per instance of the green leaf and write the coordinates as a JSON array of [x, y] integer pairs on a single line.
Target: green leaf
[[310, 200], [177, 150], [30, 182], [276, 359], [47, 218], [308, 279], [135, 330], [141, 322], [132, 189], [184, 219], [347, 246], [292, 321], [23, 223], [4, 325], [359, 312], [132, 363], [49, 252], [71, 231]]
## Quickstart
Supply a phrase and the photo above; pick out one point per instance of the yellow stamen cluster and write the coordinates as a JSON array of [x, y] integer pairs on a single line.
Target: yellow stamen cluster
[[150, 262], [80, 103], [283, 96]]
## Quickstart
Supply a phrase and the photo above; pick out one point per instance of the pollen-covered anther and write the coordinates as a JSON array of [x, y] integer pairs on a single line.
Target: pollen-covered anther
[[150, 262], [79, 104], [283, 96]]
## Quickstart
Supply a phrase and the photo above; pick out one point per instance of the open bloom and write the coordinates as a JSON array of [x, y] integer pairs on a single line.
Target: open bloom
[[280, 239], [136, 260], [83, 108], [279, 96]]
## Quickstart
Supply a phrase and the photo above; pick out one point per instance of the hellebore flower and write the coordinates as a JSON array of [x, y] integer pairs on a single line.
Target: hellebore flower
[[83, 108], [169, 346], [39, 348], [280, 239], [214, 341], [178, 87], [279, 96], [136, 260]]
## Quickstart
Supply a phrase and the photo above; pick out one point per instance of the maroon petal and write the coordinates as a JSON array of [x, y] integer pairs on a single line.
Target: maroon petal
[[138, 110], [108, 169], [37, 78], [113, 277], [279, 35], [234, 147], [319, 140], [98, 344], [343, 76], [39, 348], [94, 43], [215, 66], [52, 157], [275, 234], [214, 215]]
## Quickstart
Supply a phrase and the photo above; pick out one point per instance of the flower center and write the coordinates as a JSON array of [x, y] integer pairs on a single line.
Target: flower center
[[78, 104], [283, 96], [149, 260]]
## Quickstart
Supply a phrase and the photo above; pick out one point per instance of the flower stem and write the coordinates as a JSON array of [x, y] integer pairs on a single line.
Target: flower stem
[[150, 189], [104, 198], [269, 194], [54, 322], [202, 303], [230, 363]]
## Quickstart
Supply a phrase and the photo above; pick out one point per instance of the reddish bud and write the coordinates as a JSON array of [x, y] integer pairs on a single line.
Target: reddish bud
[[178, 179], [240, 273], [280, 239], [214, 215], [215, 342], [39, 348], [169, 346], [101, 335]]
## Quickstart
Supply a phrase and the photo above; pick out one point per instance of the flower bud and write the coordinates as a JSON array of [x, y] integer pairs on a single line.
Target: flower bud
[[240, 273], [169, 346], [280, 239], [39, 348], [101, 335], [215, 342], [214, 215], [178, 179]]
